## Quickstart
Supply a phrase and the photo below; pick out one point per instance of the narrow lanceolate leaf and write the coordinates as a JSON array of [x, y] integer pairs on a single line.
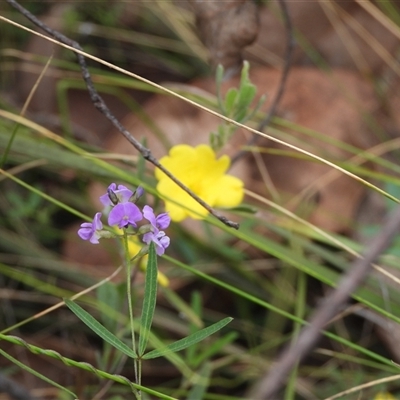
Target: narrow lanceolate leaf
[[189, 340], [99, 329], [149, 300]]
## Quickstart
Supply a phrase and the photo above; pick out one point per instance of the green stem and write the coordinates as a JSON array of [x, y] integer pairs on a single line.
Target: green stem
[[139, 361], [128, 265]]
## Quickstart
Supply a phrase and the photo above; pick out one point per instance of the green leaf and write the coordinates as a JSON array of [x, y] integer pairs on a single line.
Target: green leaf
[[244, 75], [219, 75], [99, 329], [230, 100], [149, 300], [245, 98], [189, 340]]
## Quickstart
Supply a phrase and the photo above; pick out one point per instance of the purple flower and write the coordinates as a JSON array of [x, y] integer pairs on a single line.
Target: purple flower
[[162, 221], [122, 194], [157, 236], [159, 239], [124, 214], [90, 230]]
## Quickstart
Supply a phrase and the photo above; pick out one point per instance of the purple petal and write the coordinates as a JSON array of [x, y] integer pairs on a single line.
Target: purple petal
[[160, 240], [116, 215], [86, 231], [148, 213], [105, 199], [124, 214], [163, 220], [90, 230], [95, 238], [97, 224], [148, 237], [123, 193]]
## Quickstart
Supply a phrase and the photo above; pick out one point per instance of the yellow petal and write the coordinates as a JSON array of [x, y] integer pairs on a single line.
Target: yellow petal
[[204, 175], [162, 279], [176, 212], [230, 192]]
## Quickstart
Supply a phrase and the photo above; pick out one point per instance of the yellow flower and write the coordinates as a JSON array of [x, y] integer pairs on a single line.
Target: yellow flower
[[384, 396], [198, 168]]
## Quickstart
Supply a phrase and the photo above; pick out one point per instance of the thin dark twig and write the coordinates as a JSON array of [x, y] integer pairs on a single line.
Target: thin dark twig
[[100, 105], [357, 273], [282, 84]]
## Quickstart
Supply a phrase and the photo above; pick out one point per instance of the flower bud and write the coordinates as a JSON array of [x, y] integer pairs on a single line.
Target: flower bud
[[145, 229], [112, 196], [137, 194]]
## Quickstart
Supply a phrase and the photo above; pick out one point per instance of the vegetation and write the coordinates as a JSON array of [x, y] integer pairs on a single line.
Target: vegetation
[[228, 301]]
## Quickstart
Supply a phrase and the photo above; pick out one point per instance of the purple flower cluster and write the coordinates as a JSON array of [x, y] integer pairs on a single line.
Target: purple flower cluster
[[124, 213]]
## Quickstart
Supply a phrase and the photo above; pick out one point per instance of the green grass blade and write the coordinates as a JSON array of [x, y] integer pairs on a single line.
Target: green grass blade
[[36, 373], [84, 366], [279, 311], [99, 329], [149, 300], [208, 352], [199, 389], [189, 340]]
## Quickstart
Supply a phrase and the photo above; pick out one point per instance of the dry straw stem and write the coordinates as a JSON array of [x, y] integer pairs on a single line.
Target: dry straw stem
[[288, 61], [379, 16], [24, 108], [341, 29], [332, 8], [172, 93], [330, 238], [361, 158], [62, 303], [364, 386], [309, 335], [180, 22]]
